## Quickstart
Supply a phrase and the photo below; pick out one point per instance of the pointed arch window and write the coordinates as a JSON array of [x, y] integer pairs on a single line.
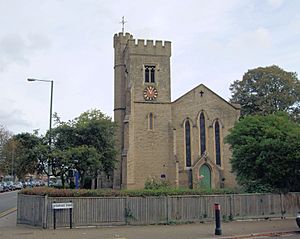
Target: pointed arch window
[[202, 134], [188, 161], [217, 143], [152, 78], [149, 74]]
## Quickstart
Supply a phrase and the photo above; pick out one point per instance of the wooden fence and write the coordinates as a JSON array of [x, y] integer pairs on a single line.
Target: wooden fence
[[37, 210]]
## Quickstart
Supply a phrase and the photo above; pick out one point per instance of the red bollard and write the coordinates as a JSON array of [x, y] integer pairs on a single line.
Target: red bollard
[[218, 230]]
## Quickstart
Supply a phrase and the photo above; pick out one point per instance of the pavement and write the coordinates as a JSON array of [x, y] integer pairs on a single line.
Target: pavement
[[237, 229]]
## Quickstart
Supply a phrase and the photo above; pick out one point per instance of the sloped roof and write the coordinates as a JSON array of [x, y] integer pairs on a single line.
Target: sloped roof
[[233, 105]]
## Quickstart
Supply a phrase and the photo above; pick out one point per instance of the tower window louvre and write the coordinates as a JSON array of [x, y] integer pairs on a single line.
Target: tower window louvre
[[149, 74], [152, 75]]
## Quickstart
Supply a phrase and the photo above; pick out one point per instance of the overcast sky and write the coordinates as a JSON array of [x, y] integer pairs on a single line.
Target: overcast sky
[[214, 42]]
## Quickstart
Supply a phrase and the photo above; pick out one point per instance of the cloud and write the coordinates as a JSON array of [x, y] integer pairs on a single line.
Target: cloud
[[13, 119], [275, 3], [15, 49], [257, 39]]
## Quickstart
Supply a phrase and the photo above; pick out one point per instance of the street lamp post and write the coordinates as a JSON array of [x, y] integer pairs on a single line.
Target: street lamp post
[[50, 120]]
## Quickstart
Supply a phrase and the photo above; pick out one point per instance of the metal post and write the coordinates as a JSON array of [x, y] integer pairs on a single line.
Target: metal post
[[54, 218], [218, 230], [50, 123], [50, 131], [70, 211]]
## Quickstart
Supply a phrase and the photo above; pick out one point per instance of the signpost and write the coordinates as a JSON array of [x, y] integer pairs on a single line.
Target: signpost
[[59, 206], [62, 205]]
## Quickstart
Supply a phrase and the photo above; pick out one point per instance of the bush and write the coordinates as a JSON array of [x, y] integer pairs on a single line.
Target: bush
[[154, 183], [255, 187], [54, 192]]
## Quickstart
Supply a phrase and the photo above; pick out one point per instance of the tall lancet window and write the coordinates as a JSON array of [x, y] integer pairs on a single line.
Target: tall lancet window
[[152, 75], [217, 143], [150, 121], [188, 161], [202, 134]]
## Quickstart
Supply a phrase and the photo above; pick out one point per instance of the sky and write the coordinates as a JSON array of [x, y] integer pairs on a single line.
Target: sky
[[214, 42]]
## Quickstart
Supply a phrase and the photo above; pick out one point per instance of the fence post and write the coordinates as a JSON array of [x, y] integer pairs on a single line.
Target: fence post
[[45, 214], [167, 206], [126, 210], [231, 213], [282, 206], [18, 208]]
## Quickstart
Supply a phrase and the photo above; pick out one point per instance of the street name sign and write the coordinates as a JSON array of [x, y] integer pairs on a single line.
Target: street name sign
[[62, 205]]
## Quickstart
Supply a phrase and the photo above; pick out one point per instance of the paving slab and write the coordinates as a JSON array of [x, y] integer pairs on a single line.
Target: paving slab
[[236, 229]]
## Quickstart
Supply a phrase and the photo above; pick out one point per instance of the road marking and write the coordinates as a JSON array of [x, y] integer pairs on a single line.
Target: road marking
[[5, 213]]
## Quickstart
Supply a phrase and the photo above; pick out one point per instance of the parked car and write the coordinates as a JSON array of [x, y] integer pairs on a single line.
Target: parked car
[[5, 186], [28, 184], [18, 185], [10, 185], [298, 219], [1, 188]]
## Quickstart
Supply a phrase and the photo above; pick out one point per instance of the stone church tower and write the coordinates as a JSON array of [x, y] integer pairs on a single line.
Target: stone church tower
[[180, 141]]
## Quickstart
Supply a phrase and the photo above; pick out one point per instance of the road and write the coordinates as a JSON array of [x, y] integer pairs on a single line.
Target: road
[[292, 235], [8, 200]]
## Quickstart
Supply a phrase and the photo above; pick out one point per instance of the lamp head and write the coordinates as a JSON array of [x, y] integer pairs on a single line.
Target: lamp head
[[31, 79]]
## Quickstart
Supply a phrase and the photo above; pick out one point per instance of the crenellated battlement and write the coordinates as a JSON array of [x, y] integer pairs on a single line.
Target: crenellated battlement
[[141, 46], [120, 38]]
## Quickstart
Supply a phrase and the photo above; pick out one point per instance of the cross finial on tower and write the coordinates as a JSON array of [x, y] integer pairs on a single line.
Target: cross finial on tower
[[123, 24]]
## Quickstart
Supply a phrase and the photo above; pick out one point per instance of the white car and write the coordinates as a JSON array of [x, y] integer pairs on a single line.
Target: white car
[[1, 188], [298, 219], [18, 185]]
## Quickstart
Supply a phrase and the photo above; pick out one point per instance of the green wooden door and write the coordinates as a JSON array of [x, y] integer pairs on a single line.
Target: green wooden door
[[205, 175]]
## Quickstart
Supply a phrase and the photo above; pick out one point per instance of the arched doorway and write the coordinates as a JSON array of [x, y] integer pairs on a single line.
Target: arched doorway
[[205, 176]]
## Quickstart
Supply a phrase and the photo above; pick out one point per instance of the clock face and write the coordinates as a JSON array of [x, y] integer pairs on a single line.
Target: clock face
[[150, 93]]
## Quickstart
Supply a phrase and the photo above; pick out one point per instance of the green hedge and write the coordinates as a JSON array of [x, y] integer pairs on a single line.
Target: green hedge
[[53, 192]]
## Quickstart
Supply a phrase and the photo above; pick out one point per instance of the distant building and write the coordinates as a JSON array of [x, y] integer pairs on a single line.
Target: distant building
[[181, 141]]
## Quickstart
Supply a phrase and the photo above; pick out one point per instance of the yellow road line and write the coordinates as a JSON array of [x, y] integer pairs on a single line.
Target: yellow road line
[[11, 210]]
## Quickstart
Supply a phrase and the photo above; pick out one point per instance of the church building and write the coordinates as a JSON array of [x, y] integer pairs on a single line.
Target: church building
[[179, 141]]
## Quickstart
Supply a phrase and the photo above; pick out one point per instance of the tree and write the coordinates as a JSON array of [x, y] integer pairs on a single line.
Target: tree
[[266, 152], [5, 135], [85, 143], [85, 159], [27, 153], [20, 154], [266, 90]]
